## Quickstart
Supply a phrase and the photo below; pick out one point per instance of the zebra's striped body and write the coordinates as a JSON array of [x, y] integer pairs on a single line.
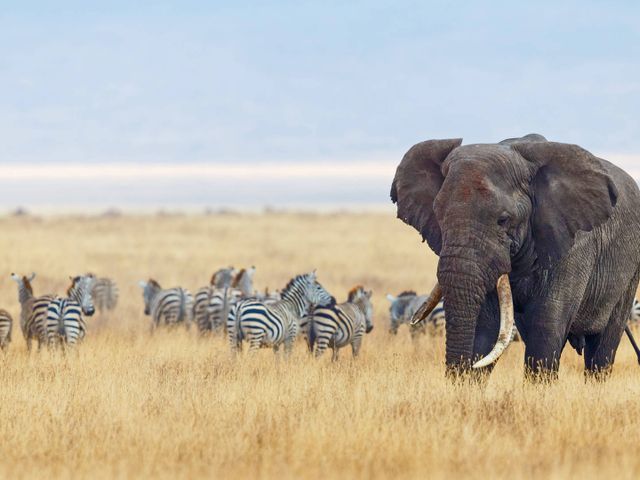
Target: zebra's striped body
[[276, 324], [105, 294], [634, 319], [341, 325], [209, 307], [32, 309], [63, 322], [6, 325], [405, 305], [167, 307], [212, 304]]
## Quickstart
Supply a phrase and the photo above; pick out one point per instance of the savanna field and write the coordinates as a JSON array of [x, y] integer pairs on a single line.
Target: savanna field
[[172, 405]]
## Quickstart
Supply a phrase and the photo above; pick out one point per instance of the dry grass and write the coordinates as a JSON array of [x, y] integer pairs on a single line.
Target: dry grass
[[176, 406]]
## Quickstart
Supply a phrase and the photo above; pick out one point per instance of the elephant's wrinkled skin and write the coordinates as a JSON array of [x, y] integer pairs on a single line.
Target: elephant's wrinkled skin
[[561, 222]]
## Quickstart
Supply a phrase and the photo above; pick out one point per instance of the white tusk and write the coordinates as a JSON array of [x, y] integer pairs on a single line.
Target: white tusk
[[427, 307], [507, 323]]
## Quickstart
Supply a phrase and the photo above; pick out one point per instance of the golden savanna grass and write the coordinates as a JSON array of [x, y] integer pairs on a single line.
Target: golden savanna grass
[[172, 405]]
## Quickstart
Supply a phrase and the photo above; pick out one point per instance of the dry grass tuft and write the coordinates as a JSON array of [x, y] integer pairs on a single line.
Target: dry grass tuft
[[127, 404]]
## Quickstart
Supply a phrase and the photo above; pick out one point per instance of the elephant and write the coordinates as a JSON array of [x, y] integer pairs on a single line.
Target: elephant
[[530, 233]]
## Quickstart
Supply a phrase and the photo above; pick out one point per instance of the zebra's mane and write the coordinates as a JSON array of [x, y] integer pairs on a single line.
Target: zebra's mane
[[353, 291], [154, 284], [291, 282], [408, 293]]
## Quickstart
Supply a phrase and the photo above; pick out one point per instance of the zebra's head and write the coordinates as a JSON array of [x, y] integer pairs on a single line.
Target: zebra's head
[[149, 290], [316, 294], [80, 290], [397, 309], [24, 281], [25, 290], [223, 277], [362, 298], [244, 281]]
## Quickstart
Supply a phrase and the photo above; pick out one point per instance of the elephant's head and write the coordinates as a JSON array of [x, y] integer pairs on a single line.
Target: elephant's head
[[495, 210]]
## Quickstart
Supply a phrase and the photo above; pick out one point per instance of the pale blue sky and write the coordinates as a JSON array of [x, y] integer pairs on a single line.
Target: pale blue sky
[[307, 80], [191, 81]]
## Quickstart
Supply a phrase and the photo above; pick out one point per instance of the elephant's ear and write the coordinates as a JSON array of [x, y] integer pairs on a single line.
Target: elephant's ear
[[417, 182], [572, 191]]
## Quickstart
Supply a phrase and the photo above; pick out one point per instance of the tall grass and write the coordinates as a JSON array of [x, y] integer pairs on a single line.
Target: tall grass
[[173, 405]]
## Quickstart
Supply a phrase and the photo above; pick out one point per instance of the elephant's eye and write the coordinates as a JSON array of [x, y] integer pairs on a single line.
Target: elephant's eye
[[504, 219]]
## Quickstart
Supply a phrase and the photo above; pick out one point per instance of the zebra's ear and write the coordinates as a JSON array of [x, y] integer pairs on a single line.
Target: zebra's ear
[[314, 274], [33, 275], [369, 294], [391, 298]]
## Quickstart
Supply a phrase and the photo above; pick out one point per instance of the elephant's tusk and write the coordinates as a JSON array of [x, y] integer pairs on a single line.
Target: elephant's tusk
[[427, 307], [507, 323]]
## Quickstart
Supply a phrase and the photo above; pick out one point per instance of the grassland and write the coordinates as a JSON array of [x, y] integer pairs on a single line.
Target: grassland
[[131, 405]]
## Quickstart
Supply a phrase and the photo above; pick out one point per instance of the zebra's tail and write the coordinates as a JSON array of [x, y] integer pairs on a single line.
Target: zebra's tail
[[183, 306], [312, 335], [234, 330], [225, 307]]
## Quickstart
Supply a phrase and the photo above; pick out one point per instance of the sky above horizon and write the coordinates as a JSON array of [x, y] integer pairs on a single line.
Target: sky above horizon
[[153, 82]]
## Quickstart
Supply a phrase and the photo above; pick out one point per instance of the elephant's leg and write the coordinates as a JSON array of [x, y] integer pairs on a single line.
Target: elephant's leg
[[545, 326], [600, 350]]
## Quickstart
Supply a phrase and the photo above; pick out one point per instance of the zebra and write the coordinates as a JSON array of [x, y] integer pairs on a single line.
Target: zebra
[[634, 319], [6, 325], [405, 305], [32, 309], [275, 324], [64, 323], [340, 325], [223, 277], [212, 304], [166, 307], [105, 294]]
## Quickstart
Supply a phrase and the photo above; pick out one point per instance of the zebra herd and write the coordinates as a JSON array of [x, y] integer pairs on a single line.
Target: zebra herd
[[57, 320], [264, 320], [229, 306]]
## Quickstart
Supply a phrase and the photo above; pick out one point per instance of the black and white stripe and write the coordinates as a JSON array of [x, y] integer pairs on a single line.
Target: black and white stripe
[[340, 325], [276, 324], [212, 304], [32, 309], [634, 319], [167, 307], [105, 294], [6, 325], [64, 323]]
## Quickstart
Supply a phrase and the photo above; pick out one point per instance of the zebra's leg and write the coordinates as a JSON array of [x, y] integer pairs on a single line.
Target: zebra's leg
[[334, 355], [322, 343], [255, 342], [355, 346]]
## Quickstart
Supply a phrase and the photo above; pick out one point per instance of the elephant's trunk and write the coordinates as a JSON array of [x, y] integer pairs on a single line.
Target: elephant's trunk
[[463, 285]]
